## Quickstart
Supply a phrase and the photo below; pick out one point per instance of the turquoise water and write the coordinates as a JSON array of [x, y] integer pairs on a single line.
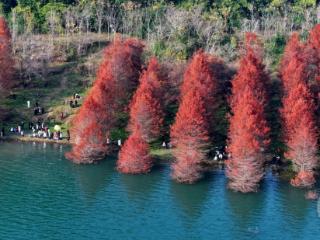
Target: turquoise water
[[44, 196]]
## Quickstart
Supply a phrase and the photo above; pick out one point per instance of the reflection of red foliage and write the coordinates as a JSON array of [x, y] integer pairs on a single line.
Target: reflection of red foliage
[[6, 60], [189, 137], [248, 133], [311, 195], [298, 114], [304, 179], [134, 156], [146, 110], [117, 78]]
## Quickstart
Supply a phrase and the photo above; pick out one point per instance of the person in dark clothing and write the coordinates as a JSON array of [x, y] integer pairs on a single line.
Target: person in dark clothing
[[68, 135], [2, 132]]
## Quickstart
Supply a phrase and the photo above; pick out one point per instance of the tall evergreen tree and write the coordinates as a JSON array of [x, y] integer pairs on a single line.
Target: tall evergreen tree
[[146, 110], [298, 113], [146, 119], [248, 133], [190, 131]]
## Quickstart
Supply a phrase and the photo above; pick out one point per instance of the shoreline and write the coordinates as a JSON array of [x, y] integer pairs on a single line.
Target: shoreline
[[162, 156], [34, 139]]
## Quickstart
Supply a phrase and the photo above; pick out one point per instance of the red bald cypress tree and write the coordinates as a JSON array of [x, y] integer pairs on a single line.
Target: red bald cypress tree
[[117, 78], [146, 118], [146, 110], [6, 59], [134, 156], [248, 133], [298, 113], [190, 138], [190, 131]]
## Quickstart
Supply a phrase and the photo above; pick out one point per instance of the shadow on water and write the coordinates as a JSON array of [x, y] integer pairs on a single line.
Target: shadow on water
[[94, 178], [140, 187], [246, 208], [191, 198], [294, 206]]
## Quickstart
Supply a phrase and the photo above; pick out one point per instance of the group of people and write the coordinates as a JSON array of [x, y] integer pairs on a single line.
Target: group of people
[[221, 154], [38, 130], [73, 103], [43, 131]]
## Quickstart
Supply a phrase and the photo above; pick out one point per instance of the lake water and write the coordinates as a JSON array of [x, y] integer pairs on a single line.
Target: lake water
[[44, 196]]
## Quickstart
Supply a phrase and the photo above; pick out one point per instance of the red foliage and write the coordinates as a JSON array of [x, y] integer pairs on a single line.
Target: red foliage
[[199, 76], [6, 60], [298, 115], [314, 37], [300, 132], [304, 179], [190, 132], [251, 73], [312, 58], [292, 59], [134, 156], [189, 136], [117, 78], [248, 133], [146, 110]]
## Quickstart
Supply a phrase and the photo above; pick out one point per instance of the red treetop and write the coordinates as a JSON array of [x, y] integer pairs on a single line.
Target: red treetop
[[6, 60], [116, 79], [248, 133], [292, 59], [312, 56], [314, 37], [251, 72], [189, 136], [134, 156], [146, 110], [199, 76]]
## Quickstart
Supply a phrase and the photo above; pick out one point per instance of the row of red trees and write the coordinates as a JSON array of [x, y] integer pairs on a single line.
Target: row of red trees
[[191, 133]]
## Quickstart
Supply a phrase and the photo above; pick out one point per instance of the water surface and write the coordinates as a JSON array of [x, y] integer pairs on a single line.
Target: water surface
[[44, 196]]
